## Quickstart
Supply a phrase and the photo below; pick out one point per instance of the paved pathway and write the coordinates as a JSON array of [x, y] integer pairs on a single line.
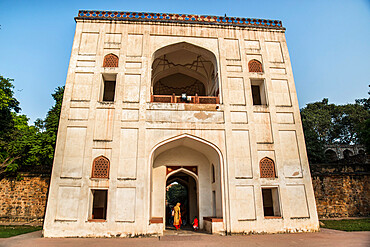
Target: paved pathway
[[324, 238]]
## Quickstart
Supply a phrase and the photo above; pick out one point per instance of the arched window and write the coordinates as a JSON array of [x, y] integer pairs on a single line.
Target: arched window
[[110, 60], [255, 66], [213, 174], [331, 155], [100, 168], [267, 168]]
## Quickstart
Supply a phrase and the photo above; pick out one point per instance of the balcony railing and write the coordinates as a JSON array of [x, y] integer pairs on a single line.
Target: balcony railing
[[190, 99]]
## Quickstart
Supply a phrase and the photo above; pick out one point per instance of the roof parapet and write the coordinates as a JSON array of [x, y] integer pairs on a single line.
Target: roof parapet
[[178, 18]]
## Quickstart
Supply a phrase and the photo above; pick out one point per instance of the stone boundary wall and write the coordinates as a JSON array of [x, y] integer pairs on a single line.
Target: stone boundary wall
[[341, 190], [23, 200]]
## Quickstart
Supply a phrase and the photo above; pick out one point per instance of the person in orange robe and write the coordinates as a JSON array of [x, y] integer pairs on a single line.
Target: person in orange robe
[[195, 224], [177, 216]]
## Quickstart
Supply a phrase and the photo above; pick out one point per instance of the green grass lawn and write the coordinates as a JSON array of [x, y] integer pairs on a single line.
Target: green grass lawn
[[347, 225], [10, 231]]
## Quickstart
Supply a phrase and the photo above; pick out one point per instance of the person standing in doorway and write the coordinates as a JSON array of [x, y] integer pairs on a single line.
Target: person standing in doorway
[[177, 216]]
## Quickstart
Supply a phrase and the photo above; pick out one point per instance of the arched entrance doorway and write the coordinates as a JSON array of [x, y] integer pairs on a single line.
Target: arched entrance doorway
[[195, 164], [181, 187]]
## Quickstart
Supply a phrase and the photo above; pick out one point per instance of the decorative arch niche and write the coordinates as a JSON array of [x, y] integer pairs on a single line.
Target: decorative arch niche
[[255, 66], [184, 69], [110, 60], [100, 167], [267, 168]]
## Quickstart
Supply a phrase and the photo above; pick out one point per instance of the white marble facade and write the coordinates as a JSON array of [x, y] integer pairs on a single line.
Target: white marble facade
[[140, 138]]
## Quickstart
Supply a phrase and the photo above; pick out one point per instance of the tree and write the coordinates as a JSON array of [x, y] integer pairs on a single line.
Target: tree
[[325, 123], [44, 147], [24, 147], [176, 193]]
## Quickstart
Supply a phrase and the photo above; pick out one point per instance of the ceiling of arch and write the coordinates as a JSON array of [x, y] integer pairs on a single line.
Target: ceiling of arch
[[183, 60]]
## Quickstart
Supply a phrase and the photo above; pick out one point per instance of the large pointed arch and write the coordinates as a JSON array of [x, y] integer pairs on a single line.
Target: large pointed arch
[[204, 147], [199, 65]]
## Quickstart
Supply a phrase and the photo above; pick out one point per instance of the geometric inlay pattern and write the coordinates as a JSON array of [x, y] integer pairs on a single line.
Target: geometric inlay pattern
[[184, 18], [100, 168], [110, 60], [255, 66], [267, 168]]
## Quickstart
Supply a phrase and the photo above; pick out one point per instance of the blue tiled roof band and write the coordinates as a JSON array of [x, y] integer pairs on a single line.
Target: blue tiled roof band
[[178, 18]]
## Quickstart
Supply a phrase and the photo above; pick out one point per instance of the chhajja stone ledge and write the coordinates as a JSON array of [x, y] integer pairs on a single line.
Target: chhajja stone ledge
[[178, 18]]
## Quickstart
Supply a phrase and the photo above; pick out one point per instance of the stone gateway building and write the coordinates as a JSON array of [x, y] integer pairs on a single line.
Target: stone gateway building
[[208, 102]]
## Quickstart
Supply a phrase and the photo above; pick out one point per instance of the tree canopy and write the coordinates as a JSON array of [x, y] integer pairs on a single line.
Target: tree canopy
[[25, 147], [325, 124]]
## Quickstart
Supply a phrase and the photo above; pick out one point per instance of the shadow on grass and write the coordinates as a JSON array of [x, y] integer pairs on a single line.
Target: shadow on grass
[[10, 231], [347, 225]]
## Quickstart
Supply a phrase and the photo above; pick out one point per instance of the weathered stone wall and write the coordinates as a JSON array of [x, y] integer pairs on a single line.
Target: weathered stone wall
[[23, 200], [341, 190]]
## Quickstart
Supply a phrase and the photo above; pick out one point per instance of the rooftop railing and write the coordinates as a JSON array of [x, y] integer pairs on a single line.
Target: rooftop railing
[[189, 99]]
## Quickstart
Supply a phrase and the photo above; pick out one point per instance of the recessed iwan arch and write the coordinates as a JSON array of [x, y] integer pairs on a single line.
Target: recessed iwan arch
[[184, 68], [182, 152]]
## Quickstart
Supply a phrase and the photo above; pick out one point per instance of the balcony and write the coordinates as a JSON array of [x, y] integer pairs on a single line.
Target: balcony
[[188, 100]]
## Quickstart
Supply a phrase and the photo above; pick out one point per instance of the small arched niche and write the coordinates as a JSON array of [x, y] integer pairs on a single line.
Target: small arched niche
[[331, 155], [100, 167], [110, 60], [255, 66], [184, 73]]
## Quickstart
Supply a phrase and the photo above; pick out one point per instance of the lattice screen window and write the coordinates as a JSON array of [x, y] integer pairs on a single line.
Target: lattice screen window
[[255, 66], [100, 168], [267, 168], [110, 60]]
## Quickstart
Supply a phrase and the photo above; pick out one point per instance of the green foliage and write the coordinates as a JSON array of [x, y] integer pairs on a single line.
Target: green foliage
[[10, 231], [24, 147], [177, 193], [44, 146], [347, 225], [325, 123]]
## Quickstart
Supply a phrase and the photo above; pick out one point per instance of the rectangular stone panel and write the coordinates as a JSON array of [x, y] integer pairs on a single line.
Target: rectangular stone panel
[[131, 88], [252, 44], [266, 153], [133, 65], [232, 49], [263, 127], [239, 117], [96, 152], [184, 116], [234, 68], [297, 201], [255, 57], [68, 202], [134, 45], [125, 204], [236, 91], [241, 154], [129, 115], [281, 92], [88, 43], [82, 86], [128, 154], [285, 117], [73, 156], [112, 40], [280, 71], [104, 120], [244, 203], [290, 152], [85, 63], [274, 52], [78, 113]]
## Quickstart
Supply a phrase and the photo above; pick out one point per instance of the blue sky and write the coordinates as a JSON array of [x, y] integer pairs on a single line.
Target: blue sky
[[328, 41]]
